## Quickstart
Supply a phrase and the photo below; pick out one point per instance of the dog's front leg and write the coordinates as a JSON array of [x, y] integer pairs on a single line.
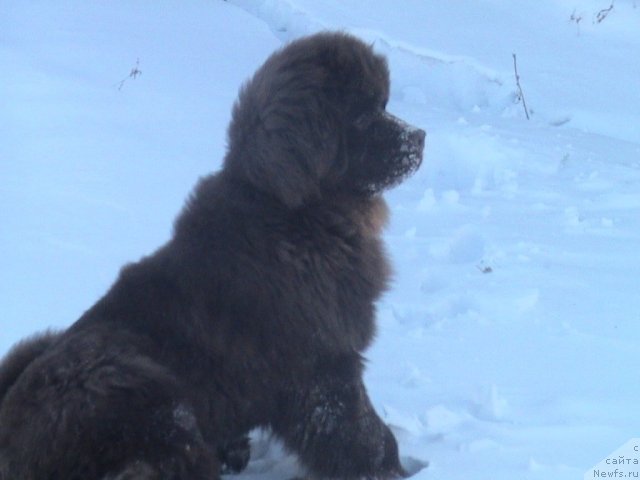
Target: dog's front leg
[[334, 429]]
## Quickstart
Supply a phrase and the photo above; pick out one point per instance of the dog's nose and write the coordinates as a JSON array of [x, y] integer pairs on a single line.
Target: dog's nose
[[417, 138]]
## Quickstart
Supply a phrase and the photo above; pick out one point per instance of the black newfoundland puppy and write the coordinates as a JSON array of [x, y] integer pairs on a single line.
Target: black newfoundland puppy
[[256, 312]]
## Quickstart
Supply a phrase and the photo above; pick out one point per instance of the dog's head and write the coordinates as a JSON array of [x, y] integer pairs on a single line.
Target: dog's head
[[312, 122]]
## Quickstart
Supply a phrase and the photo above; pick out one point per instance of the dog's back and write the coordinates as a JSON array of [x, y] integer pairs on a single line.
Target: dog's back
[[21, 356]]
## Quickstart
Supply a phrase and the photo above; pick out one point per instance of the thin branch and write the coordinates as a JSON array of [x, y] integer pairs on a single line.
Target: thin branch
[[575, 17], [602, 14], [521, 93], [134, 73]]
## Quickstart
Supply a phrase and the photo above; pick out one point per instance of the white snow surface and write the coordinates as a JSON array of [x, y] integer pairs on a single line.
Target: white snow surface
[[508, 347]]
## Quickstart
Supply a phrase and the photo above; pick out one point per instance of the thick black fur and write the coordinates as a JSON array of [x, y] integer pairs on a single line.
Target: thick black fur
[[255, 313]]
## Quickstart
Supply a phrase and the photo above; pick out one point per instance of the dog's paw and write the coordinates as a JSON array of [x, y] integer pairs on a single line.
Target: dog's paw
[[234, 455]]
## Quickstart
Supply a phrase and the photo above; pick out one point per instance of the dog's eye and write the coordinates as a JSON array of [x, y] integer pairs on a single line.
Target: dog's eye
[[363, 120]]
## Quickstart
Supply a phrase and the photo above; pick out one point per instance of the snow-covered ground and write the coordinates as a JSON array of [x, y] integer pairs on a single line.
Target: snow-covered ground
[[509, 346]]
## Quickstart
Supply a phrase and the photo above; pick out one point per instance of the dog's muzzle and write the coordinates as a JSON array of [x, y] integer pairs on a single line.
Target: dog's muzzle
[[412, 139], [410, 149]]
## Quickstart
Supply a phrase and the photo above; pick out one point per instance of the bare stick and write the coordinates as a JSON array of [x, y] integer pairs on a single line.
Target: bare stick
[[135, 73], [521, 93], [602, 14], [575, 17]]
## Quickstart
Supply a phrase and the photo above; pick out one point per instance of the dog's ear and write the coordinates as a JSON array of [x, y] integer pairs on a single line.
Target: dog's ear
[[284, 136]]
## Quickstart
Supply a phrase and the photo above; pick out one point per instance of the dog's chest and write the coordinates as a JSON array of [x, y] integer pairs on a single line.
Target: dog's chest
[[338, 273], [321, 252]]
